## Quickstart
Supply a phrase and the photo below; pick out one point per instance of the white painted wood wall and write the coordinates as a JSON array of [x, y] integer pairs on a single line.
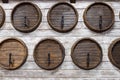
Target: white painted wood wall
[[67, 71]]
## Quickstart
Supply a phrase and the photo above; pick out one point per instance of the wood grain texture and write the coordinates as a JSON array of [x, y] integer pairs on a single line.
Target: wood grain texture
[[86, 54], [114, 53], [26, 17], [99, 17], [2, 16], [62, 17], [13, 53], [68, 70], [49, 54]]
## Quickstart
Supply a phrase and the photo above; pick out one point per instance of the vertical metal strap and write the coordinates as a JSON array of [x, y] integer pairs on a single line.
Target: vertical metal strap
[[26, 22], [49, 61], [10, 60], [100, 22], [88, 60], [62, 22]]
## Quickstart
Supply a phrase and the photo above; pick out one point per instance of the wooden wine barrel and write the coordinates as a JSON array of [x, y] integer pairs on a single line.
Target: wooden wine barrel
[[2, 16], [13, 53], [86, 54], [49, 54], [99, 17], [114, 53], [26, 17], [62, 17]]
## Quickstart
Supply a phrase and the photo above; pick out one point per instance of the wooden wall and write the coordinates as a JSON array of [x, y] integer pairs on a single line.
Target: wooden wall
[[67, 71]]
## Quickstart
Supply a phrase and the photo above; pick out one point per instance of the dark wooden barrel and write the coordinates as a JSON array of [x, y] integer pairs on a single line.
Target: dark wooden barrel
[[62, 17], [49, 54], [114, 53], [86, 54], [2, 16], [99, 17], [26, 17]]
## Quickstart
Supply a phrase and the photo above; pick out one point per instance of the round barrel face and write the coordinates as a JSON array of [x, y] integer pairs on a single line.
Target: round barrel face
[[2, 16], [49, 54], [26, 17], [62, 17], [13, 54], [99, 17], [114, 53], [86, 54]]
